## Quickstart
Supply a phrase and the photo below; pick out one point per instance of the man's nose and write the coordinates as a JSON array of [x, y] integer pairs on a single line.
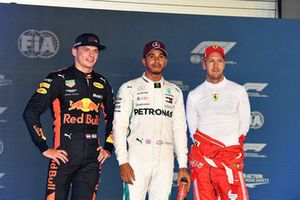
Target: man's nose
[[156, 58]]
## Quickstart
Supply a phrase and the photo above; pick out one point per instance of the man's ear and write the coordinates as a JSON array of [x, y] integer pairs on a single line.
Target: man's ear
[[203, 64], [74, 52], [144, 61]]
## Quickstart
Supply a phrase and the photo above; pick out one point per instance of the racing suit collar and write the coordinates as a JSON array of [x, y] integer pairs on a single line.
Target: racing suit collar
[[217, 85], [156, 84], [82, 74]]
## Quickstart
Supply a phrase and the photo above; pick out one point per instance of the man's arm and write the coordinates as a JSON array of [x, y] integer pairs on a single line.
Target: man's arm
[[191, 115], [180, 131], [122, 114], [244, 112], [43, 97], [39, 102], [180, 138], [108, 106]]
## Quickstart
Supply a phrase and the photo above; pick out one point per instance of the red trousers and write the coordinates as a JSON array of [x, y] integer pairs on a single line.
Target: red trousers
[[217, 170]]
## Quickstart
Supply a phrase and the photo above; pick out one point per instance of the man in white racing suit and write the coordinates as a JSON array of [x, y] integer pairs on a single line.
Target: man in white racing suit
[[218, 116], [150, 117]]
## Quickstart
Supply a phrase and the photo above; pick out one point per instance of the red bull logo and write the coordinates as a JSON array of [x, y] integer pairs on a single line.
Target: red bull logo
[[82, 119], [52, 175], [85, 104]]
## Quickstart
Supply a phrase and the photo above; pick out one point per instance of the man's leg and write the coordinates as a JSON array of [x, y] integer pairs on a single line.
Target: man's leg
[[59, 179], [85, 182], [203, 184], [162, 174], [238, 191], [141, 162]]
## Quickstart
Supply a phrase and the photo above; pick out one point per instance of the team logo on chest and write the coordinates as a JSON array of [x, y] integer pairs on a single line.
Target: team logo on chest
[[215, 97], [169, 96], [70, 83], [169, 99], [85, 105]]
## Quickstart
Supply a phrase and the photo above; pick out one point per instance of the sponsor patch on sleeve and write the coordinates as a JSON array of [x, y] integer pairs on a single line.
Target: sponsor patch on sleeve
[[39, 132], [109, 139], [41, 91], [44, 85]]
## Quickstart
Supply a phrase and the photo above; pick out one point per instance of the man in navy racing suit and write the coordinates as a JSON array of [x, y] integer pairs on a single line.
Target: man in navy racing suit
[[75, 95]]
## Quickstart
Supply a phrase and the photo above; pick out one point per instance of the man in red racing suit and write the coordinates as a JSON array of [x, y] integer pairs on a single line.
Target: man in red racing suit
[[218, 116], [75, 95]]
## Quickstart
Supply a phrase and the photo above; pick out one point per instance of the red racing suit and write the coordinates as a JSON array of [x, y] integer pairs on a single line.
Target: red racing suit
[[75, 99], [218, 167]]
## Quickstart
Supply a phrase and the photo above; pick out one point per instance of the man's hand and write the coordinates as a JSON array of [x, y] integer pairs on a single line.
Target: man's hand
[[56, 155], [103, 155], [183, 172], [127, 173]]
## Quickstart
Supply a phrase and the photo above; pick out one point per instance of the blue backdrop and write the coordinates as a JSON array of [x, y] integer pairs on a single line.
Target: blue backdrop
[[263, 55]]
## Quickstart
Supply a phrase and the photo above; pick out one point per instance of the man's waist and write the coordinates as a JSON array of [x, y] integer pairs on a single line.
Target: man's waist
[[73, 135], [225, 138], [147, 141], [215, 149]]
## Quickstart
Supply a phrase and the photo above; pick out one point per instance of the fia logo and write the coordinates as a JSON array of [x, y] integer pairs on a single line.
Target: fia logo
[[38, 44]]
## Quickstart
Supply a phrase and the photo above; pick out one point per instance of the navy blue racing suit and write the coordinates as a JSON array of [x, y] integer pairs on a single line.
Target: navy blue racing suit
[[75, 100]]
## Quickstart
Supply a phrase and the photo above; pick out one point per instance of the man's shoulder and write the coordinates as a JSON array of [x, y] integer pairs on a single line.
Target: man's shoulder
[[133, 82], [235, 85], [198, 87], [58, 73], [100, 77], [173, 86]]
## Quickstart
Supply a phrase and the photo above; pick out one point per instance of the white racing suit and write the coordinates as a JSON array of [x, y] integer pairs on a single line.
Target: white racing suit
[[151, 117]]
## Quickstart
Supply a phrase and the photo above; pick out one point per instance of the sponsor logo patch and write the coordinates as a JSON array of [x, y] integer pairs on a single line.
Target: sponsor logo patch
[[70, 83], [215, 97], [41, 91], [98, 85], [44, 85], [85, 104]]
